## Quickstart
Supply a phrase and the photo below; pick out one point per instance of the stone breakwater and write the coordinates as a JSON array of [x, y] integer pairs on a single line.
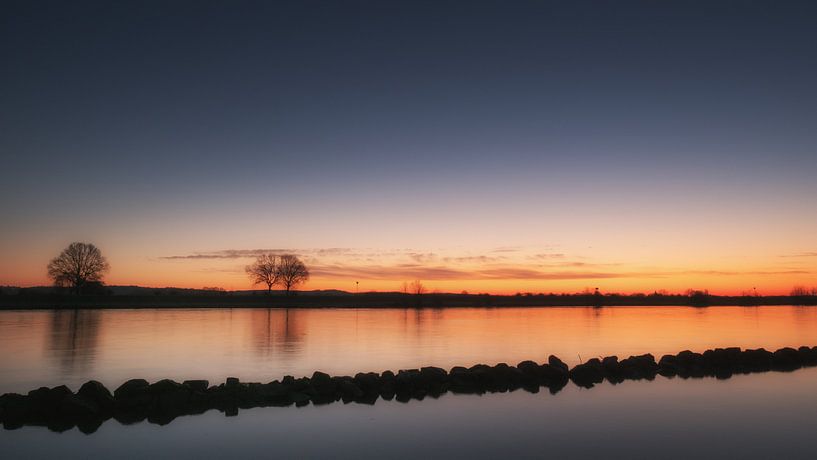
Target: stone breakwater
[[60, 409]]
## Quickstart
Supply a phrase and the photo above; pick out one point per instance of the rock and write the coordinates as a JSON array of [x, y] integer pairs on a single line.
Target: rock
[[499, 378], [757, 360], [323, 384], [170, 398], [50, 397], [299, 398], [462, 380], [587, 374], [368, 399], [166, 385], [96, 393], [387, 390], [786, 359], [557, 363], [481, 375], [130, 415], [90, 425], [434, 374], [555, 378], [610, 363], [434, 380], [249, 395], [639, 367], [197, 385], [612, 370], [808, 355], [75, 407], [131, 387], [368, 382], [303, 384], [689, 364], [529, 368], [721, 362], [349, 391], [132, 393], [668, 366], [44, 402], [60, 424], [232, 382], [407, 379], [15, 407]]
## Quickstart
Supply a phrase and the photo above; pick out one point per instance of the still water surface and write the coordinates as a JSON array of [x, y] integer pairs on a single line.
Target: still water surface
[[770, 415], [72, 346]]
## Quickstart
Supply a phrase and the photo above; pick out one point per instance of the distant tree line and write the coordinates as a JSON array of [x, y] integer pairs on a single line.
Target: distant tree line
[[80, 268]]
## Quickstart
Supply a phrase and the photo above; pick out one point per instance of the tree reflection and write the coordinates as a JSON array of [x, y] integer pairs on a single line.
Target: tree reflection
[[278, 332], [72, 337]]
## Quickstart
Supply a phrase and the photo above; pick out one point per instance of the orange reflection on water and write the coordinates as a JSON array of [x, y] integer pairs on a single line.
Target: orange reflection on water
[[52, 347]]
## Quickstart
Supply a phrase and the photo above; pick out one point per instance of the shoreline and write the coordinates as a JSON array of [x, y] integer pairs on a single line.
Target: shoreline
[[377, 300]]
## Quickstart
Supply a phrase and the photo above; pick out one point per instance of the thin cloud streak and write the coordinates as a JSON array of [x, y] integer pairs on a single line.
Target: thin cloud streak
[[802, 254], [503, 263], [251, 253], [441, 273]]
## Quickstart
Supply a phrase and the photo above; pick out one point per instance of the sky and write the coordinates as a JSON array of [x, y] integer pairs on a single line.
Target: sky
[[494, 147]]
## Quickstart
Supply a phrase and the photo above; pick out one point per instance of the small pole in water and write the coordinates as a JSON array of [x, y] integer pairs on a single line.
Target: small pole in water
[[357, 285]]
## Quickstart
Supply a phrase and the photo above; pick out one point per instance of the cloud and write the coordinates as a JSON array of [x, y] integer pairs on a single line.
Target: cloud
[[498, 264], [226, 254], [547, 256], [802, 254], [422, 257], [507, 249], [738, 273], [533, 274], [251, 253], [445, 273], [472, 259], [400, 271]]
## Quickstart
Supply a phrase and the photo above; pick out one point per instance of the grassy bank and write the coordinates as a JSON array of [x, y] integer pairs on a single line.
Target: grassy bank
[[374, 300]]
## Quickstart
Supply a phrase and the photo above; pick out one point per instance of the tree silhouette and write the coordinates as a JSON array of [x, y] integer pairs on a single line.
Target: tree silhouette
[[264, 271], [416, 287], [291, 271], [78, 265]]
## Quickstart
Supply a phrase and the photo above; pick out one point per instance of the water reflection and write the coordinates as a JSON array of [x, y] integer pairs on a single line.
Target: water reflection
[[72, 346], [72, 339], [277, 332]]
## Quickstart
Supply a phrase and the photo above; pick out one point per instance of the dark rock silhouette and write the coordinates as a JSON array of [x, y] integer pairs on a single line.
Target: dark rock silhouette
[[60, 409]]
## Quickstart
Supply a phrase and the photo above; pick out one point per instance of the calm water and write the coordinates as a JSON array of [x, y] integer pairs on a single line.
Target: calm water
[[769, 415], [71, 347]]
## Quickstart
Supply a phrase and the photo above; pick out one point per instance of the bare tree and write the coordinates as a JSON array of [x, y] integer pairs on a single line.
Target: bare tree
[[291, 271], [78, 265], [264, 271], [417, 287]]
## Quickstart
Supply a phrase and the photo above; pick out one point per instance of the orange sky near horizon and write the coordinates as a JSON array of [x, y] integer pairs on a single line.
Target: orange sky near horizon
[[497, 270], [630, 243]]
